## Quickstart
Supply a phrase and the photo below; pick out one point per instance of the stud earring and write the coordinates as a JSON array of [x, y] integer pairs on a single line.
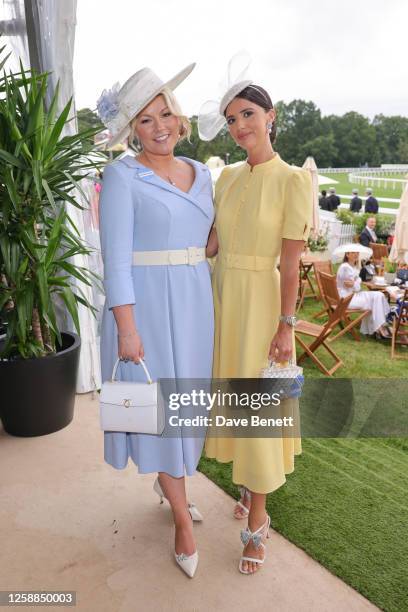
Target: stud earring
[[269, 126]]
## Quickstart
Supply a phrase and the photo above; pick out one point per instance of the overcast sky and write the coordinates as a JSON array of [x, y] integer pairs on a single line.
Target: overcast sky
[[344, 55]]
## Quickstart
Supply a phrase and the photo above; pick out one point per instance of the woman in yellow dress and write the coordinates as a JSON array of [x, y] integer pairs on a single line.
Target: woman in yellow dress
[[263, 217]]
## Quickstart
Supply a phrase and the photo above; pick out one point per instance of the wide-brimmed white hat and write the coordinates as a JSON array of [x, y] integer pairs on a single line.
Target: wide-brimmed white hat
[[119, 105], [353, 247]]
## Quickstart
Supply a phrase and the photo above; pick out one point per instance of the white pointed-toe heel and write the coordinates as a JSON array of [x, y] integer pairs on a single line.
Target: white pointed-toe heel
[[188, 563], [192, 508], [256, 537]]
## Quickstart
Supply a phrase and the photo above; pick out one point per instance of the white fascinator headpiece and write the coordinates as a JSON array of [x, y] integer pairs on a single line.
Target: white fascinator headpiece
[[211, 115]]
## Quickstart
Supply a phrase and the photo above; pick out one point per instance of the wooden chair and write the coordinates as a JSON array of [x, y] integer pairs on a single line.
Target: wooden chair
[[301, 292], [305, 267], [322, 266], [400, 328], [331, 296], [320, 333], [379, 251]]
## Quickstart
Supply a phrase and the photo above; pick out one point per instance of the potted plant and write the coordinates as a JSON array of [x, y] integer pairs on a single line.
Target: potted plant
[[317, 244], [39, 173], [390, 270]]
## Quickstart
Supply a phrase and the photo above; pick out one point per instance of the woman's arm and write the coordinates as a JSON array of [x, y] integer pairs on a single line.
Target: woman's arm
[[212, 244], [116, 232], [129, 342], [281, 347], [346, 277]]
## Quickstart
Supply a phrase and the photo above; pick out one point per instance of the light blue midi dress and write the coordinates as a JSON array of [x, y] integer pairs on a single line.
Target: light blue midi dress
[[173, 306]]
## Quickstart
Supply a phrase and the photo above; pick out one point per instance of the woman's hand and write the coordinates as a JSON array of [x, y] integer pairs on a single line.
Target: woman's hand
[[349, 283], [130, 347], [281, 347]]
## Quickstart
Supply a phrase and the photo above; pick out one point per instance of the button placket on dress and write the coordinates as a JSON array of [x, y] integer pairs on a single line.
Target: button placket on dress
[[235, 225]]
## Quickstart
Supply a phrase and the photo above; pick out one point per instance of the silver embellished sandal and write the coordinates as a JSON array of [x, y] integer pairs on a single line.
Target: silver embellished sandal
[[242, 511], [256, 537]]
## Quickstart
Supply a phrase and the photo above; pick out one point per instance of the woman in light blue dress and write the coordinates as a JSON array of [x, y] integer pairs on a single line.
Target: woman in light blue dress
[[158, 305]]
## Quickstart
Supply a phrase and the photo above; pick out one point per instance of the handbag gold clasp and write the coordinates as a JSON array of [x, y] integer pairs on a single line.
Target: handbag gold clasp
[[126, 403]]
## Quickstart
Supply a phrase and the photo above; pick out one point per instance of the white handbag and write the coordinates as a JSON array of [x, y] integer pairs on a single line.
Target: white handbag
[[131, 406]]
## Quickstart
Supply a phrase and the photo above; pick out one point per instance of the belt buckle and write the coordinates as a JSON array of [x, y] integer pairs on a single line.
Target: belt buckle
[[192, 255]]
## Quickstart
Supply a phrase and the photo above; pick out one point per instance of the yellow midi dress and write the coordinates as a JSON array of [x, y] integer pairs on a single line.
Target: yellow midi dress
[[255, 208]]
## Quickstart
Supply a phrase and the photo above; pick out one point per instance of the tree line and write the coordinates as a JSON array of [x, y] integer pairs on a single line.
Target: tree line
[[349, 140]]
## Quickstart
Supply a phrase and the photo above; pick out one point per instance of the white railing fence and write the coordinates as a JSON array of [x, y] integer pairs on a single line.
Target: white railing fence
[[371, 180], [347, 233], [381, 171]]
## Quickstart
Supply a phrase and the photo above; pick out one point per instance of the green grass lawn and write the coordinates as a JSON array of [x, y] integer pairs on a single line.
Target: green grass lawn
[[344, 187], [346, 504]]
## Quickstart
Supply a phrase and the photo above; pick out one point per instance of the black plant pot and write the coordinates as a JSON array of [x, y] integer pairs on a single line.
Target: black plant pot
[[37, 395]]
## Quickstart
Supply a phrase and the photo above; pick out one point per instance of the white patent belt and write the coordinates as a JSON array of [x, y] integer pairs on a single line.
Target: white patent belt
[[190, 256]]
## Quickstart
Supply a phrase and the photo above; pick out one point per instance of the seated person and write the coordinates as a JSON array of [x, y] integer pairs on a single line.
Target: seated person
[[367, 270], [368, 234], [348, 281]]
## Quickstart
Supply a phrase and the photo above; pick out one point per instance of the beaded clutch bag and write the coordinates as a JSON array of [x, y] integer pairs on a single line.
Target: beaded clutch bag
[[290, 377]]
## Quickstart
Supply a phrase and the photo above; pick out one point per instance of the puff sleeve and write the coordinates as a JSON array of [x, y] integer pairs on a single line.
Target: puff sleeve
[[298, 206], [116, 233]]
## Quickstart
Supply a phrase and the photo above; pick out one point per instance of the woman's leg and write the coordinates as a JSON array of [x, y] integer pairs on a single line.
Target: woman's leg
[[175, 491], [244, 502], [257, 517]]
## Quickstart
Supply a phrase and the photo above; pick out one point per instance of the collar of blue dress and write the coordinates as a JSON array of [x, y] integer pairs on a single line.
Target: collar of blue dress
[[199, 193]]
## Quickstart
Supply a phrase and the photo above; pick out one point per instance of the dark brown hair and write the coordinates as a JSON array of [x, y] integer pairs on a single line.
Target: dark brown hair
[[258, 95], [346, 260]]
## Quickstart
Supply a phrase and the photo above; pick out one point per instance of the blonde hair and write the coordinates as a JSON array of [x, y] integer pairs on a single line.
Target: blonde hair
[[174, 108]]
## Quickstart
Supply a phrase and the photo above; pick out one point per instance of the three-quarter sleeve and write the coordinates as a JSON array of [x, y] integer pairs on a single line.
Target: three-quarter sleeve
[[298, 206], [116, 233]]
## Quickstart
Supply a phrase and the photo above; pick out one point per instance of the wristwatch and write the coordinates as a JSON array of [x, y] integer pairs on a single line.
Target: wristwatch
[[289, 320]]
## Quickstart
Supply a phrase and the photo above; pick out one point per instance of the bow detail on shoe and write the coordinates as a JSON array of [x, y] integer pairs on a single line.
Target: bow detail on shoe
[[246, 535]]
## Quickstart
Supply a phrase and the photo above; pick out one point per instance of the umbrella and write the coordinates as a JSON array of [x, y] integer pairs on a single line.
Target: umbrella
[[310, 165], [352, 247], [399, 249]]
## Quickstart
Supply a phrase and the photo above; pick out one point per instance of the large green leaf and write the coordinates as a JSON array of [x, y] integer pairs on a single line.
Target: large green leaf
[[56, 131], [37, 175], [54, 238], [10, 184], [69, 299], [5, 251], [4, 60], [9, 158], [41, 276]]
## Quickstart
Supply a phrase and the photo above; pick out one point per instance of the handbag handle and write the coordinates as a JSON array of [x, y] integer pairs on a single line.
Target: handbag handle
[[142, 363], [281, 364]]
